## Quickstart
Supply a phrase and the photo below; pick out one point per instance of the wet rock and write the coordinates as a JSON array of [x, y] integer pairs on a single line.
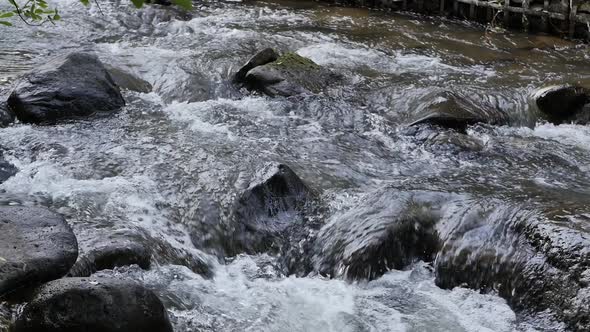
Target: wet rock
[[452, 110], [291, 74], [36, 245], [109, 248], [6, 115], [265, 214], [115, 251], [7, 170], [127, 81], [93, 305], [261, 58], [71, 86], [536, 265], [563, 104], [386, 230]]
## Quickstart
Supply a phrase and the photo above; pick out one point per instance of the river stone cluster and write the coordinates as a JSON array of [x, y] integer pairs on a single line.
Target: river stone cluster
[[534, 264], [37, 248]]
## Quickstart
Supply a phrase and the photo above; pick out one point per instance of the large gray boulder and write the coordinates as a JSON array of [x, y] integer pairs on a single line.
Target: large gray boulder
[[72, 86], [563, 104], [93, 305], [36, 246]]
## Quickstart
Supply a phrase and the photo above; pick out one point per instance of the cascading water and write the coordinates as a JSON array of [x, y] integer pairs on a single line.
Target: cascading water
[[175, 156]]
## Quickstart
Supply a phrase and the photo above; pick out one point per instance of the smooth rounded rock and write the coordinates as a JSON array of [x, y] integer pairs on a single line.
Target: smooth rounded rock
[[112, 252], [36, 246], [563, 104], [452, 110], [93, 305], [72, 86]]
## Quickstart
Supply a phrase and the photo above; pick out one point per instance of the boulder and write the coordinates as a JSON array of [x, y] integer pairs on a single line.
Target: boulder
[[93, 305], [263, 216], [386, 230], [563, 104], [36, 246], [112, 252], [535, 264], [291, 74], [261, 58], [452, 110], [71, 86]]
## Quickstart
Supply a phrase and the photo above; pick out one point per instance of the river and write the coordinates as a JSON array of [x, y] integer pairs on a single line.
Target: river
[[156, 165]]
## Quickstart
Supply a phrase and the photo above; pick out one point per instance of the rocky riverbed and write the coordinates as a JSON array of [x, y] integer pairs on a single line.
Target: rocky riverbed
[[291, 166]]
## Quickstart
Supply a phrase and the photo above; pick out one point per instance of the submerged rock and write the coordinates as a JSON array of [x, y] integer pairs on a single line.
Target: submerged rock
[[93, 305], [127, 81], [263, 216], [7, 170], [6, 115], [387, 230], [113, 252], [286, 75], [36, 245], [452, 110], [563, 104], [71, 86], [535, 264]]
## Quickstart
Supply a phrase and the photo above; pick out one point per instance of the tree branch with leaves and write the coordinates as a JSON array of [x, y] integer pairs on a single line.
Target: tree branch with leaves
[[38, 12]]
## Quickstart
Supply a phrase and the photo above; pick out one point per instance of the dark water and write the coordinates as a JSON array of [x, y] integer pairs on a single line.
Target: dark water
[[172, 154]]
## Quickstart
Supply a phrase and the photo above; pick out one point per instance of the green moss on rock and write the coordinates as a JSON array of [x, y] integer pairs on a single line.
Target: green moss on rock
[[293, 60]]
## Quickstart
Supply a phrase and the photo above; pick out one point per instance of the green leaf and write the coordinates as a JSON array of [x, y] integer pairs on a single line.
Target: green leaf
[[56, 17], [42, 4], [8, 24], [85, 2], [185, 4], [6, 15], [137, 3], [39, 11]]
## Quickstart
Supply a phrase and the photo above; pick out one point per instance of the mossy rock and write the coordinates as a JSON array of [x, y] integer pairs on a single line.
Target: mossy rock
[[294, 61], [290, 74]]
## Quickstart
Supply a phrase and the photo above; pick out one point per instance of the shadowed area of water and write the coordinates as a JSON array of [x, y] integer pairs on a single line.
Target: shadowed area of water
[[178, 155]]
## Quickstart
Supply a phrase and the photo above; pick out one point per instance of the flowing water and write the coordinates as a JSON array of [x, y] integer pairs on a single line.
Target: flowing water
[[182, 151]]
